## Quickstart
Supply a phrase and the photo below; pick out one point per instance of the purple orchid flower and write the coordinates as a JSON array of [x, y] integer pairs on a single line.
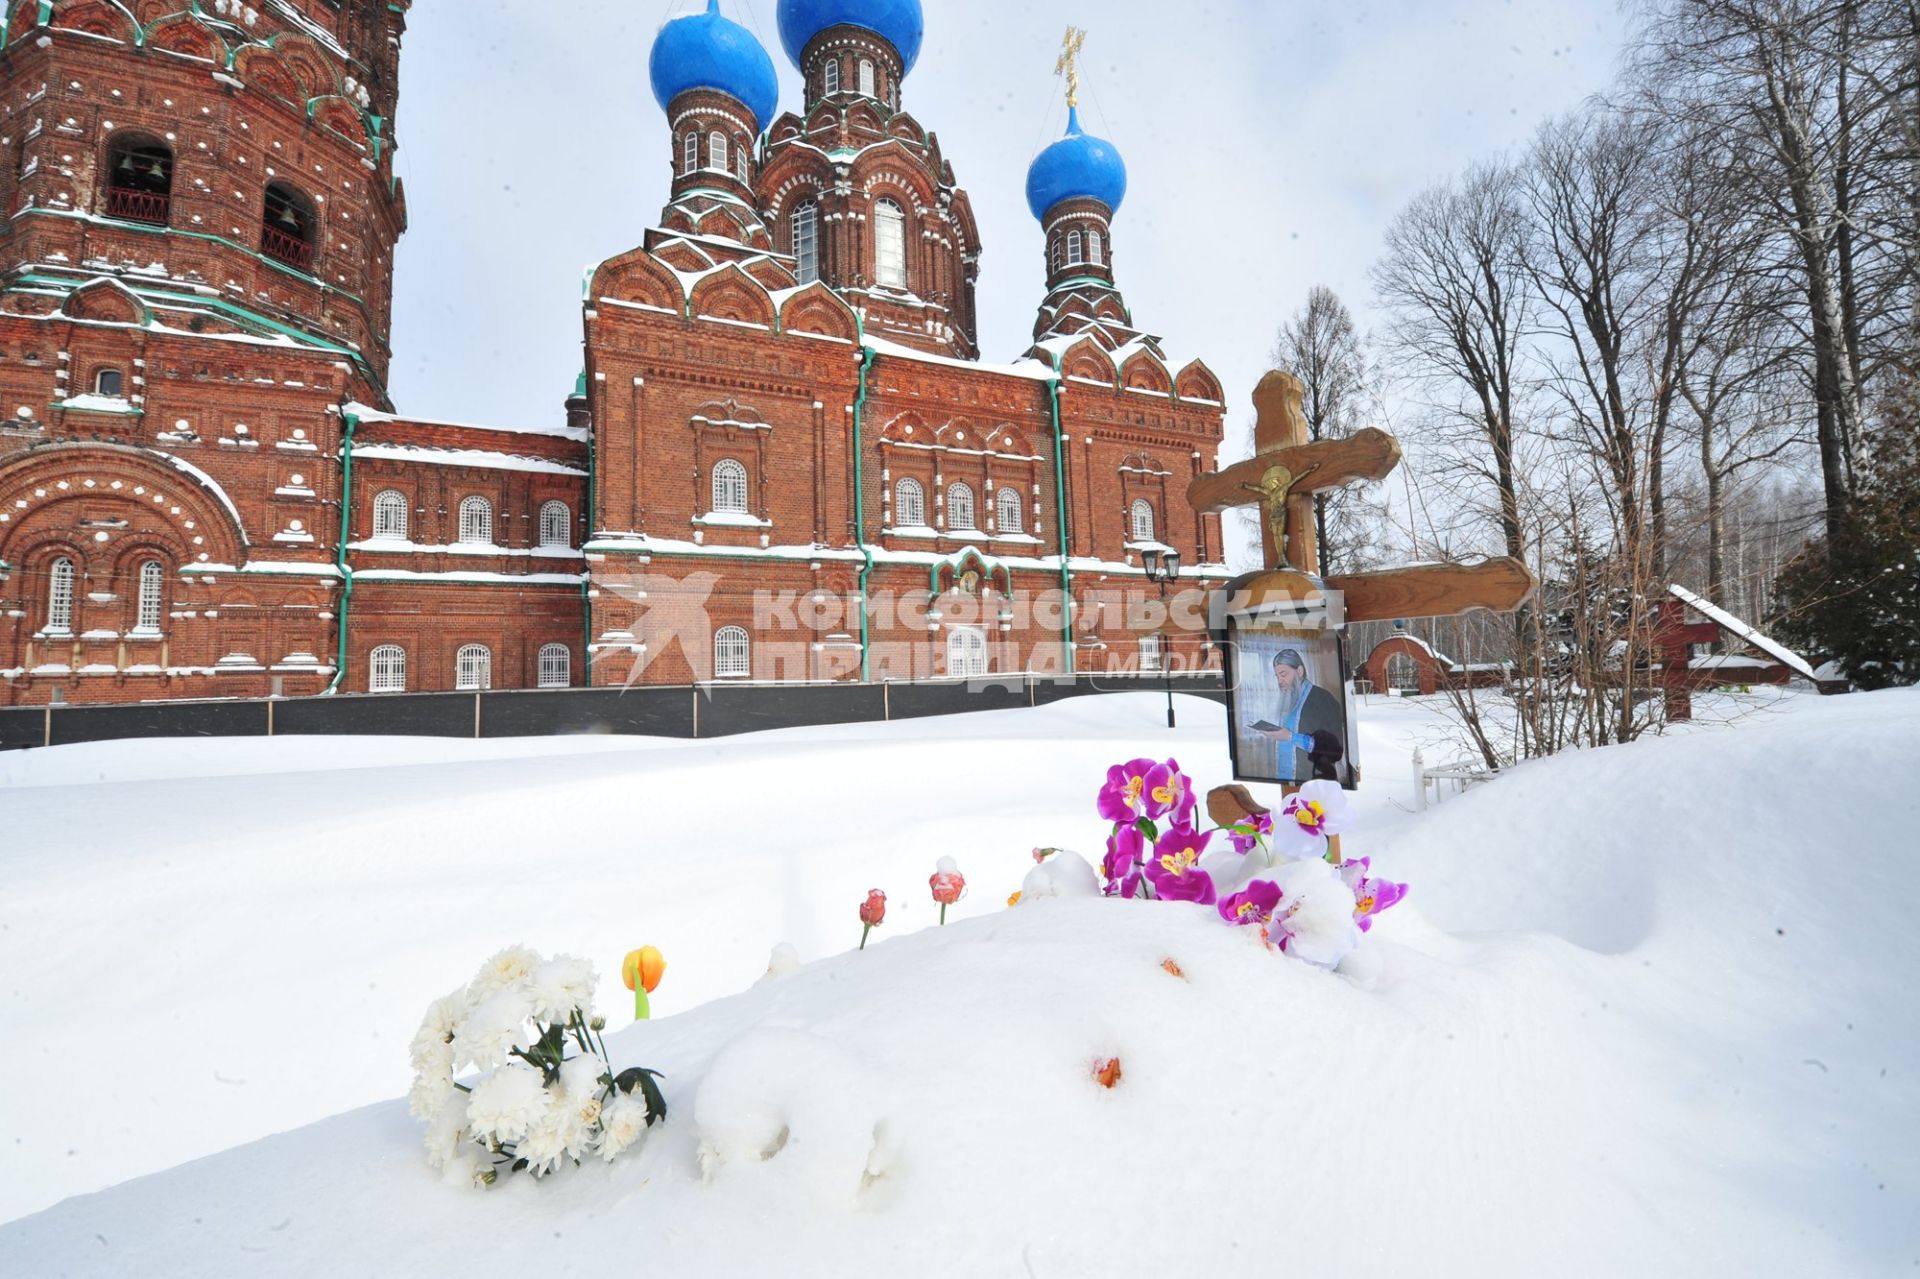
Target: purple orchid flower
[[1254, 905], [1245, 836], [1170, 794], [1174, 870], [1124, 795], [1126, 855], [1370, 896]]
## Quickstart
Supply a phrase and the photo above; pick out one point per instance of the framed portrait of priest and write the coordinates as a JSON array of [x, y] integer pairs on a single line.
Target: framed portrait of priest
[[1290, 715]]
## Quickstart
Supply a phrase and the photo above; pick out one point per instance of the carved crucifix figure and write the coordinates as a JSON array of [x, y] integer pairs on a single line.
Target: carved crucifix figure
[[1283, 475]]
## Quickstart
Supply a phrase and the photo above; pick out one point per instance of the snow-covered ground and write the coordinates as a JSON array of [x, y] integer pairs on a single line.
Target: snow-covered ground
[[1648, 1010]]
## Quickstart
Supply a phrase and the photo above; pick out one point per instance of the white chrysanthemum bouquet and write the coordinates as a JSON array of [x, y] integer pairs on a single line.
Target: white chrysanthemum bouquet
[[536, 1106]]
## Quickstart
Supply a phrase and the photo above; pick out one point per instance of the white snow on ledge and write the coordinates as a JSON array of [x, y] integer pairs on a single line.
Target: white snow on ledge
[[1727, 621], [482, 458]]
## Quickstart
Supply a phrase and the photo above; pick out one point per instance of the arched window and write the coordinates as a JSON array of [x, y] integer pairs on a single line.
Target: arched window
[[732, 658], [556, 666], [889, 245], [833, 75], [740, 161], [473, 669], [60, 596], [690, 153], [966, 653], [147, 614], [1150, 653], [866, 79], [1142, 520], [1007, 510], [109, 382], [287, 227], [717, 151], [556, 525], [140, 181], [909, 504], [1403, 674], [729, 488], [805, 225], [960, 512], [476, 521], [390, 515], [1096, 249], [1057, 254], [1076, 248], [387, 669]]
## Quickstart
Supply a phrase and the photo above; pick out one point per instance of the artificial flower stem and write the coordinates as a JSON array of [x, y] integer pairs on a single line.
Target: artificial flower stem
[[943, 914], [864, 930], [641, 1012]]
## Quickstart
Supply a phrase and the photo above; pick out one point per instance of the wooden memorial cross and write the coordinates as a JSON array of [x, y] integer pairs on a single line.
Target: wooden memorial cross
[[1283, 475]]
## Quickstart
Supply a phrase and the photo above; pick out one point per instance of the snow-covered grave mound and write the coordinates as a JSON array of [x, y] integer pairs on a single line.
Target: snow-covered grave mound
[[1648, 1011]]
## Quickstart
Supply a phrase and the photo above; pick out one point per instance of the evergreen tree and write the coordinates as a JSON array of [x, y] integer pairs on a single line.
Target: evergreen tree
[[1855, 597]]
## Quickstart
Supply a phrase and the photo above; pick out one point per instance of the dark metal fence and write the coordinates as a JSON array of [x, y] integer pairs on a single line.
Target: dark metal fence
[[719, 710]]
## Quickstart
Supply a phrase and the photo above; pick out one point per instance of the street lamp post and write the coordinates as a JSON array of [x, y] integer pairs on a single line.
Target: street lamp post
[[1163, 570]]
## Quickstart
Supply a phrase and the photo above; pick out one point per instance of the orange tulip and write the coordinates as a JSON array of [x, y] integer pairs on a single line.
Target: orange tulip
[[641, 970]]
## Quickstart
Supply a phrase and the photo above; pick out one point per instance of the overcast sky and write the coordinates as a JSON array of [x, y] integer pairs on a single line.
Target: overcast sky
[[1269, 145]]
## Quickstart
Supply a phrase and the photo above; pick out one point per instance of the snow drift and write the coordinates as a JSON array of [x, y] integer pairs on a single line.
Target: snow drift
[[1647, 1010]]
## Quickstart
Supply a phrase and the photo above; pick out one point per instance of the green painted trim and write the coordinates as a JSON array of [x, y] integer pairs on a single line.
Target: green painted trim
[[69, 408], [586, 570], [867, 356], [340, 555], [1060, 509]]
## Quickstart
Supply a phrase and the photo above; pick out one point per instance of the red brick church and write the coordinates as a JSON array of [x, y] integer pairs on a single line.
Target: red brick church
[[785, 459]]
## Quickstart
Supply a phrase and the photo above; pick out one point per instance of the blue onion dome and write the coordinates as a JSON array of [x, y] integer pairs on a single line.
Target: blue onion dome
[[706, 51], [899, 22], [1077, 166]]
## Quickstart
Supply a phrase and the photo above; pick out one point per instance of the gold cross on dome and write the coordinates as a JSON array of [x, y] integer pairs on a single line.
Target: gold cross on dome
[[1069, 64]]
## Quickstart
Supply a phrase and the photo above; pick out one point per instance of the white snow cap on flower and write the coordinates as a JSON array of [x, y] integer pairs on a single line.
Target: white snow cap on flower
[[504, 971], [509, 1104], [560, 987], [784, 960], [1061, 875], [493, 1030], [447, 1131], [1303, 822], [622, 1124], [1316, 913], [947, 866]]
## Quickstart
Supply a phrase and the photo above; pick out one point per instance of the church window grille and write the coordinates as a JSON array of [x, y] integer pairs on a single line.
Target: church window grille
[[1008, 510], [60, 596], [390, 515], [740, 162], [152, 584], [691, 153], [833, 75], [1076, 248], [732, 654], [473, 669], [476, 521], [556, 666], [960, 513], [1096, 249], [387, 670], [806, 242], [1142, 520], [1149, 653], [890, 245], [910, 504], [717, 151], [730, 488], [556, 525], [866, 79]]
